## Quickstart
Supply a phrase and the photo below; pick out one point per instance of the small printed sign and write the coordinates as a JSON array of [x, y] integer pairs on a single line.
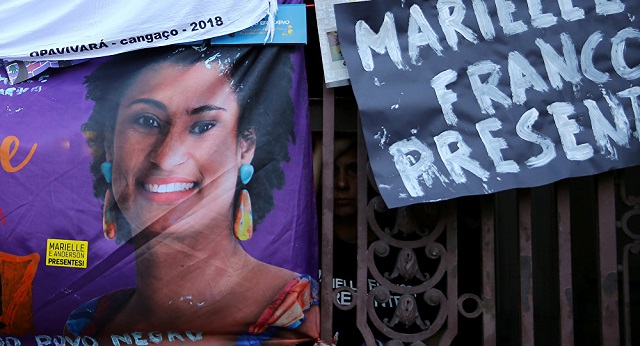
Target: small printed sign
[[290, 28], [67, 253]]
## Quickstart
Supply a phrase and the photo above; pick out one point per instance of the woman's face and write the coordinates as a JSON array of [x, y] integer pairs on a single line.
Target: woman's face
[[345, 184], [176, 152]]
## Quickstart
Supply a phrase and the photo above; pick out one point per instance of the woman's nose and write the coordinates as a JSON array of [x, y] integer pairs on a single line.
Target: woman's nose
[[170, 151], [341, 181]]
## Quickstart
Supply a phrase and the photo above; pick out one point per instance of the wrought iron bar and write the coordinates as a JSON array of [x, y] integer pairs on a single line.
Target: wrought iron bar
[[608, 265], [489, 272], [526, 269], [564, 265], [326, 285]]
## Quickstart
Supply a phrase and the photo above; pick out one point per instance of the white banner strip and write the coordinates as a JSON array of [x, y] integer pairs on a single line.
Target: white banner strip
[[79, 29]]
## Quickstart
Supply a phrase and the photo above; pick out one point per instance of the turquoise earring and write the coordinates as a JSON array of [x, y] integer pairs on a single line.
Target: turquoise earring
[[107, 170], [246, 173]]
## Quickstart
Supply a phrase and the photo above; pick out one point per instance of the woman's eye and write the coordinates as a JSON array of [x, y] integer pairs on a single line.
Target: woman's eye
[[147, 121], [202, 127]]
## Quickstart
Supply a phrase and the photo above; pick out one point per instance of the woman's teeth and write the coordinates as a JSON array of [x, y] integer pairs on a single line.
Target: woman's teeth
[[166, 188]]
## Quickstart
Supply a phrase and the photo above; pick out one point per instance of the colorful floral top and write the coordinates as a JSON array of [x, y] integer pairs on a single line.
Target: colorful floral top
[[287, 310]]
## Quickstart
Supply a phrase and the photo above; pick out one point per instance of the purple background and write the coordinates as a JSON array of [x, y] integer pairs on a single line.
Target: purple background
[[52, 196]]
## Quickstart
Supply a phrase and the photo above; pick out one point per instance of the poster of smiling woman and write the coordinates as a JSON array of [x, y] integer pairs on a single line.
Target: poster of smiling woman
[[159, 196]]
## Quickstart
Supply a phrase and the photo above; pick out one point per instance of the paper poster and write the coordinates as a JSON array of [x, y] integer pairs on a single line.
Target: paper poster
[[160, 196], [465, 98], [20, 71], [290, 27], [335, 68]]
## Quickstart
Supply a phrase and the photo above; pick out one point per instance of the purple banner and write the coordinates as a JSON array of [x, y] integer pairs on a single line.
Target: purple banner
[[184, 131]]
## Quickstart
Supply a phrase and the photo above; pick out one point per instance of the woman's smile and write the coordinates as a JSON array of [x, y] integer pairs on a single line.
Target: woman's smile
[[168, 191], [168, 188]]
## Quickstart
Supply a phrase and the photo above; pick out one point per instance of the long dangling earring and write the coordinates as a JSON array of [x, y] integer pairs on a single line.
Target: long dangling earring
[[243, 225], [108, 212]]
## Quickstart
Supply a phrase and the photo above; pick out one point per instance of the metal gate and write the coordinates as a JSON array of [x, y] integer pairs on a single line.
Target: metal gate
[[552, 265]]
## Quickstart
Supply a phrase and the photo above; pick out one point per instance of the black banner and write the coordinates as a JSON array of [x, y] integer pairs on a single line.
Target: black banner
[[463, 97]]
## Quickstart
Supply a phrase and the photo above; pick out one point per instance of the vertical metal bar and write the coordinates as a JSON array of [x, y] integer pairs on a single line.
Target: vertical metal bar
[[626, 294], [451, 306], [507, 254], [564, 264], [608, 260], [361, 296], [326, 285], [526, 268], [489, 272]]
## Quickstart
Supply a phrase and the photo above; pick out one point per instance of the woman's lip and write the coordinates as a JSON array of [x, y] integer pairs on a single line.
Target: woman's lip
[[165, 180], [341, 201]]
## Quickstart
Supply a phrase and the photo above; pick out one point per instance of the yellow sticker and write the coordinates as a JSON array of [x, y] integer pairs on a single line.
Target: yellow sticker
[[67, 253]]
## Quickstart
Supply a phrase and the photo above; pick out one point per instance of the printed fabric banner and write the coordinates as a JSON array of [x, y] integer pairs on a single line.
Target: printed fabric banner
[[161, 196], [473, 97], [72, 30]]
